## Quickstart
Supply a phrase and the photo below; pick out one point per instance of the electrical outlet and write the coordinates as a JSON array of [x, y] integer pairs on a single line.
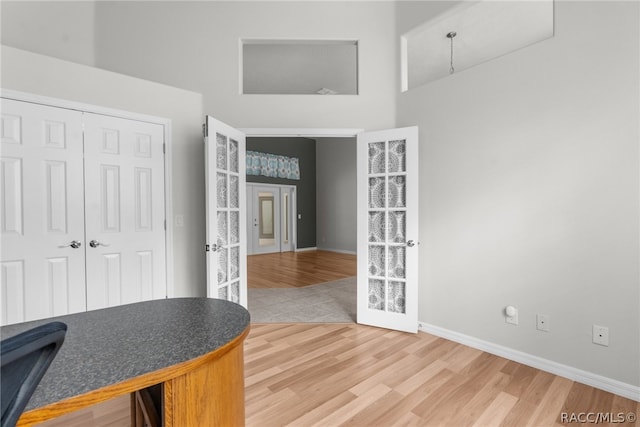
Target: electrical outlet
[[601, 335], [511, 315], [542, 322], [179, 221]]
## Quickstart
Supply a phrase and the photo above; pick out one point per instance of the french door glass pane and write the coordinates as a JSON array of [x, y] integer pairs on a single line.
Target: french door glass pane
[[387, 225]]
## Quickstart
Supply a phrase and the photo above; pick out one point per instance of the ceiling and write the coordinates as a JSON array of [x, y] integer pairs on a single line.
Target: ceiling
[[485, 30]]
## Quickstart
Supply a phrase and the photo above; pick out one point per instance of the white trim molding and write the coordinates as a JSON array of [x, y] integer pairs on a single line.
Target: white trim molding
[[306, 249], [338, 251], [598, 381], [301, 132]]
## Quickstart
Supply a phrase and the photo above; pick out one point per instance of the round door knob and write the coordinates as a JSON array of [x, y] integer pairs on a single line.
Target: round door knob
[[411, 243]]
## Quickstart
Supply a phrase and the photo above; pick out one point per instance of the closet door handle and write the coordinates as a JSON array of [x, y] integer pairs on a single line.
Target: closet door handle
[[75, 244], [95, 244]]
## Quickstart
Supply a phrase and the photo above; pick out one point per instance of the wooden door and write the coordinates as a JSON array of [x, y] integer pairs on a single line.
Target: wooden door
[[125, 211], [42, 270], [388, 228], [226, 238]]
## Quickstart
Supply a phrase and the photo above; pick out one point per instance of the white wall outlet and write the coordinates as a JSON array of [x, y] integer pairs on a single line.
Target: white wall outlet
[[601, 335], [179, 221], [511, 315], [542, 322]]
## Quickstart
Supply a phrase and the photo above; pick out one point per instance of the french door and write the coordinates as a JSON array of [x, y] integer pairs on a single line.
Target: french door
[[387, 170], [225, 174]]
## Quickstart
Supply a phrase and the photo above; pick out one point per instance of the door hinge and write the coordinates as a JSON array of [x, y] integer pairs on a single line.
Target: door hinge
[[165, 224], [207, 248], [164, 148], [205, 130]]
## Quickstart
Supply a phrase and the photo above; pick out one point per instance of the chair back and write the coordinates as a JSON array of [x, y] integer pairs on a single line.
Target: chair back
[[25, 358]]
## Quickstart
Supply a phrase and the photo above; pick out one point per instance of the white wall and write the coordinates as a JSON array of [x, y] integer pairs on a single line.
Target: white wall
[[336, 216], [196, 46], [63, 29], [37, 74], [529, 186]]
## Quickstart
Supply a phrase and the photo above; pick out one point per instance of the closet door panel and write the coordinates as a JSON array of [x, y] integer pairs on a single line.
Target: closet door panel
[[124, 173], [42, 270]]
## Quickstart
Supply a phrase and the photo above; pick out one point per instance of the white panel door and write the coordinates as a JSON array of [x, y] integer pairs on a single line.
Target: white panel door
[[42, 271], [226, 237], [388, 228], [125, 220], [264, 219]]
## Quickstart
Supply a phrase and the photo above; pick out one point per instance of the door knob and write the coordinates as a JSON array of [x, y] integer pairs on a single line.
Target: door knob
[[95, 244], [74, 244], [411, 243]]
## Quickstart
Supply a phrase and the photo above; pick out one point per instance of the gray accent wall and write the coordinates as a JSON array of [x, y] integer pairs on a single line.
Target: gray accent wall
[[336, 194], [305, 150]]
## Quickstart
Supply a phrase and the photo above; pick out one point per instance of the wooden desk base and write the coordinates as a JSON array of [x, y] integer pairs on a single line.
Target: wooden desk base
[[215, 392], [207, 391]]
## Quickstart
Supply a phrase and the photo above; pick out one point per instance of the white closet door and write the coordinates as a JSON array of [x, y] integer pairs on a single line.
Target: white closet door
[[42, 273], [388, 228], [125, 221], [226, 241]]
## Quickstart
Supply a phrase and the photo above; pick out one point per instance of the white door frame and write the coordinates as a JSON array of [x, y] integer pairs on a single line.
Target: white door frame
[[166, 123], [302, 132]]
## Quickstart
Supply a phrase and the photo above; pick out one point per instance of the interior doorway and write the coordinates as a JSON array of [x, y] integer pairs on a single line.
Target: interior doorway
[[270, 212], [332, 227]]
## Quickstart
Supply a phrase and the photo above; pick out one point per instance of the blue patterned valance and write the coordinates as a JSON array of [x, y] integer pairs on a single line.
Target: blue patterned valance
[[272, 165]]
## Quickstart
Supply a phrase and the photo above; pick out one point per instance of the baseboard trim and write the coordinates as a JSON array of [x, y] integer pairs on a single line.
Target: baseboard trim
[[306, 249], [338, 251], [598, 381]]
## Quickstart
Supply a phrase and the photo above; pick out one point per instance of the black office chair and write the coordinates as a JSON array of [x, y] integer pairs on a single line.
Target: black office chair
[[25, 358]]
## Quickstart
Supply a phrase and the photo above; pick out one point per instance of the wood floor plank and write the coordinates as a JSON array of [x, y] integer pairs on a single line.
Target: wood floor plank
[[298, 269], [519, 414], [479, 401], [548, 410], [344, 413], [497, 411], [112, 413], [521, 377], [320, 412]]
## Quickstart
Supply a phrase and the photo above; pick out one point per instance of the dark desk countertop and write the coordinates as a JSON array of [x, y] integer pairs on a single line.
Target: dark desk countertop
[[107, 346]]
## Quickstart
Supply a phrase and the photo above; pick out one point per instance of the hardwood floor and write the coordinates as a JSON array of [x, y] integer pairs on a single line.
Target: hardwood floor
[[112, 413], [298, 269], [354, 375]]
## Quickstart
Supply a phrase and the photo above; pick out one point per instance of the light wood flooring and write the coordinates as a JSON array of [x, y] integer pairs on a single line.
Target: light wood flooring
[[298, 269], [354, 375]]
